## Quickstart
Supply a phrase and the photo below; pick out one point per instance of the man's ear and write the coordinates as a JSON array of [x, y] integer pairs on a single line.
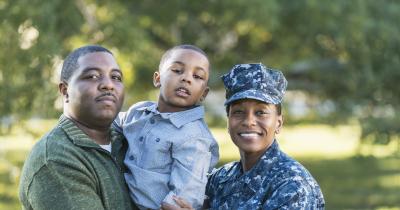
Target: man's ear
[[63, 89], [204, 95], [156, 79], [279, 124]]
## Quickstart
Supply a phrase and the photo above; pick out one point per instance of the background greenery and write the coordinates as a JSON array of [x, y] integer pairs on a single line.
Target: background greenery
[[340, 57]]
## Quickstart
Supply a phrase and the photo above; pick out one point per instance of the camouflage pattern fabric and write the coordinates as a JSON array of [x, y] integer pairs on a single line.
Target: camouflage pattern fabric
[[275, 182], [254, 81]]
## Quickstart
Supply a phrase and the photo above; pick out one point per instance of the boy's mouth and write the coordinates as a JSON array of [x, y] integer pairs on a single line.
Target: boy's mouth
[[181, 91]]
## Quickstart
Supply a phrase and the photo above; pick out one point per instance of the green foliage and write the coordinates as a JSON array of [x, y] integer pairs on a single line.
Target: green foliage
[[344, 52]]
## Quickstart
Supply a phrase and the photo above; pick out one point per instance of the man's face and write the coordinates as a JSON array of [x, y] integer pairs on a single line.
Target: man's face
[[182, 80], [95, 92], [252, 125]]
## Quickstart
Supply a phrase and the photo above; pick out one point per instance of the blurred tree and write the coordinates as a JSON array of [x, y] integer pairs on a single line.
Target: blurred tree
[[344, 52]]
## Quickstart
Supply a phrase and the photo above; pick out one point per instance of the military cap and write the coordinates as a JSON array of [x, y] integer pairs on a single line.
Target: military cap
[[254, 81]]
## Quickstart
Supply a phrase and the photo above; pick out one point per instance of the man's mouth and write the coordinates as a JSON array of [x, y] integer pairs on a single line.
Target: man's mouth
[[107, 97]]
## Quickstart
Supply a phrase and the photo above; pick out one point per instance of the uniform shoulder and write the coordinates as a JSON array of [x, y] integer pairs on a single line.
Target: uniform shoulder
[[224, 170]]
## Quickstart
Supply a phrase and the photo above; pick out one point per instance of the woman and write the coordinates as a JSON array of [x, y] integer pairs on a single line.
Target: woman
[[265, 177]]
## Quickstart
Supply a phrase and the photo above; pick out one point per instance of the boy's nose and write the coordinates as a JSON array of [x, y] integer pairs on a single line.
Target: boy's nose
[[186, 78]]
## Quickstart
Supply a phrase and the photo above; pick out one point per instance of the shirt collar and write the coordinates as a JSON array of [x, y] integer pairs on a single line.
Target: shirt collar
[[79, 138], [178, 119]]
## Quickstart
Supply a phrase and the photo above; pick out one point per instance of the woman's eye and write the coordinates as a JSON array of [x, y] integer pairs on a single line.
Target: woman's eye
[[237, 112], [263, 113]]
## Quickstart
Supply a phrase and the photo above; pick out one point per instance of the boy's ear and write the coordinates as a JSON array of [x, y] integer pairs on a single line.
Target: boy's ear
[[63, 89], [204, 95], [156, 79]]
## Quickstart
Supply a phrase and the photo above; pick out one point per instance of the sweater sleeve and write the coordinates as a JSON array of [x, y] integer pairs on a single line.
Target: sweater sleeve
[[60, 186]]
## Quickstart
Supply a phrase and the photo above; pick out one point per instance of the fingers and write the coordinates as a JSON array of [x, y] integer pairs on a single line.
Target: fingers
[[182, 203], [167, 206]]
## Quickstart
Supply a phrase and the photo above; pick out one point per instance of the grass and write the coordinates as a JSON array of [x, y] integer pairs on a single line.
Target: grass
[[347, 181]]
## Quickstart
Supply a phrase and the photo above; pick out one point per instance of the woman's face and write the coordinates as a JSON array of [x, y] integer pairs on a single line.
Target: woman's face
[[252, 125]]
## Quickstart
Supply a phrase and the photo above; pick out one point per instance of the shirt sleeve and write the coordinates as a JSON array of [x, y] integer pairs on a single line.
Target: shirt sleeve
[[58, 186], [290, 195], [191, 162]]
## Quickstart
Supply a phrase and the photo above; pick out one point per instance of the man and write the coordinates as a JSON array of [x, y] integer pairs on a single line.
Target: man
[[79, 164]]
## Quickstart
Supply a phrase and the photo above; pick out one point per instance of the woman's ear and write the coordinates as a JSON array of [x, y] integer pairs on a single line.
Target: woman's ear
[[156, 79], [279, 124]]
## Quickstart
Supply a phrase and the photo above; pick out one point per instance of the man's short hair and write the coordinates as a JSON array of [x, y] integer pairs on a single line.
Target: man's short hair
[[71, 61], [167, 54]]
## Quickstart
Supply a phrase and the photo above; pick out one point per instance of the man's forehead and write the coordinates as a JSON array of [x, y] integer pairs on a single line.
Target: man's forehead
[[96, 57]]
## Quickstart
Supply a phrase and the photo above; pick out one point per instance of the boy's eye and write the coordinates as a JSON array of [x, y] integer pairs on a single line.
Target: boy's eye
[[198, 77], [176, 70]]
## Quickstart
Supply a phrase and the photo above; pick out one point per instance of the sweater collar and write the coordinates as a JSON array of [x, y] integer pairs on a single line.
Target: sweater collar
[[78, 137]]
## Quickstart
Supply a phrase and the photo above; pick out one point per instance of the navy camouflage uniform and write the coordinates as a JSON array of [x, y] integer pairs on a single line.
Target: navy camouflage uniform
[[276, 181]]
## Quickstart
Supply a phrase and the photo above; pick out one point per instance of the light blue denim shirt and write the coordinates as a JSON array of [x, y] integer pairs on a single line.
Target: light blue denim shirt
[[169, 154]]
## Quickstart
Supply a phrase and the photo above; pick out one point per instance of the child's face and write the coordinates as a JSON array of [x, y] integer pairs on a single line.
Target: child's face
[[182, 79], [252, 125]]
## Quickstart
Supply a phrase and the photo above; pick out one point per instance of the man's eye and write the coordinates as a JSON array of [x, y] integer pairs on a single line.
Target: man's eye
[[92, 76], [119, 78]]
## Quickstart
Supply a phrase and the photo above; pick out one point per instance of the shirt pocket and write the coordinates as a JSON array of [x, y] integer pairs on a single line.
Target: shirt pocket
[[157, 154]]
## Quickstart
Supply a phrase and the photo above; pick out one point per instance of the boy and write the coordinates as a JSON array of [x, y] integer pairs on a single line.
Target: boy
[[170, 147]]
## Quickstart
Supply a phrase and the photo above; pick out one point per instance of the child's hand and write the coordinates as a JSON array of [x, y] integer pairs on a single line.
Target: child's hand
[[183, 205]]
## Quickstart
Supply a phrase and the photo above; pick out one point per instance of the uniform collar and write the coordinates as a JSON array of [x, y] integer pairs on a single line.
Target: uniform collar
[[253, 178], [79, 138], [178, 119]]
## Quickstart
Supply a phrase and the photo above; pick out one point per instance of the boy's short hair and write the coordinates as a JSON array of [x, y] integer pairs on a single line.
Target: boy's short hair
[[71, 61], [167, 54]]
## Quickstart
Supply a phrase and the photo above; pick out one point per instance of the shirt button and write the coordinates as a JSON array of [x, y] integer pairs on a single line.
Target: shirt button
[[152, 121], [157, 139], [131, 157], [141, 138]]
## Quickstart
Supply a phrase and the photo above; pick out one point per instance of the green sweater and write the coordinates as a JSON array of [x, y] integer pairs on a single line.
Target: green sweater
[[68, 170]]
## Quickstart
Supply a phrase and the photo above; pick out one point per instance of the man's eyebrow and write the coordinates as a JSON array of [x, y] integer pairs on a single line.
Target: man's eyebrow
[[90, 68], [94, 68]]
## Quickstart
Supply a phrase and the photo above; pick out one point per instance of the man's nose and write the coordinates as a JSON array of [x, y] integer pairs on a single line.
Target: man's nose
[[107, 83]]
